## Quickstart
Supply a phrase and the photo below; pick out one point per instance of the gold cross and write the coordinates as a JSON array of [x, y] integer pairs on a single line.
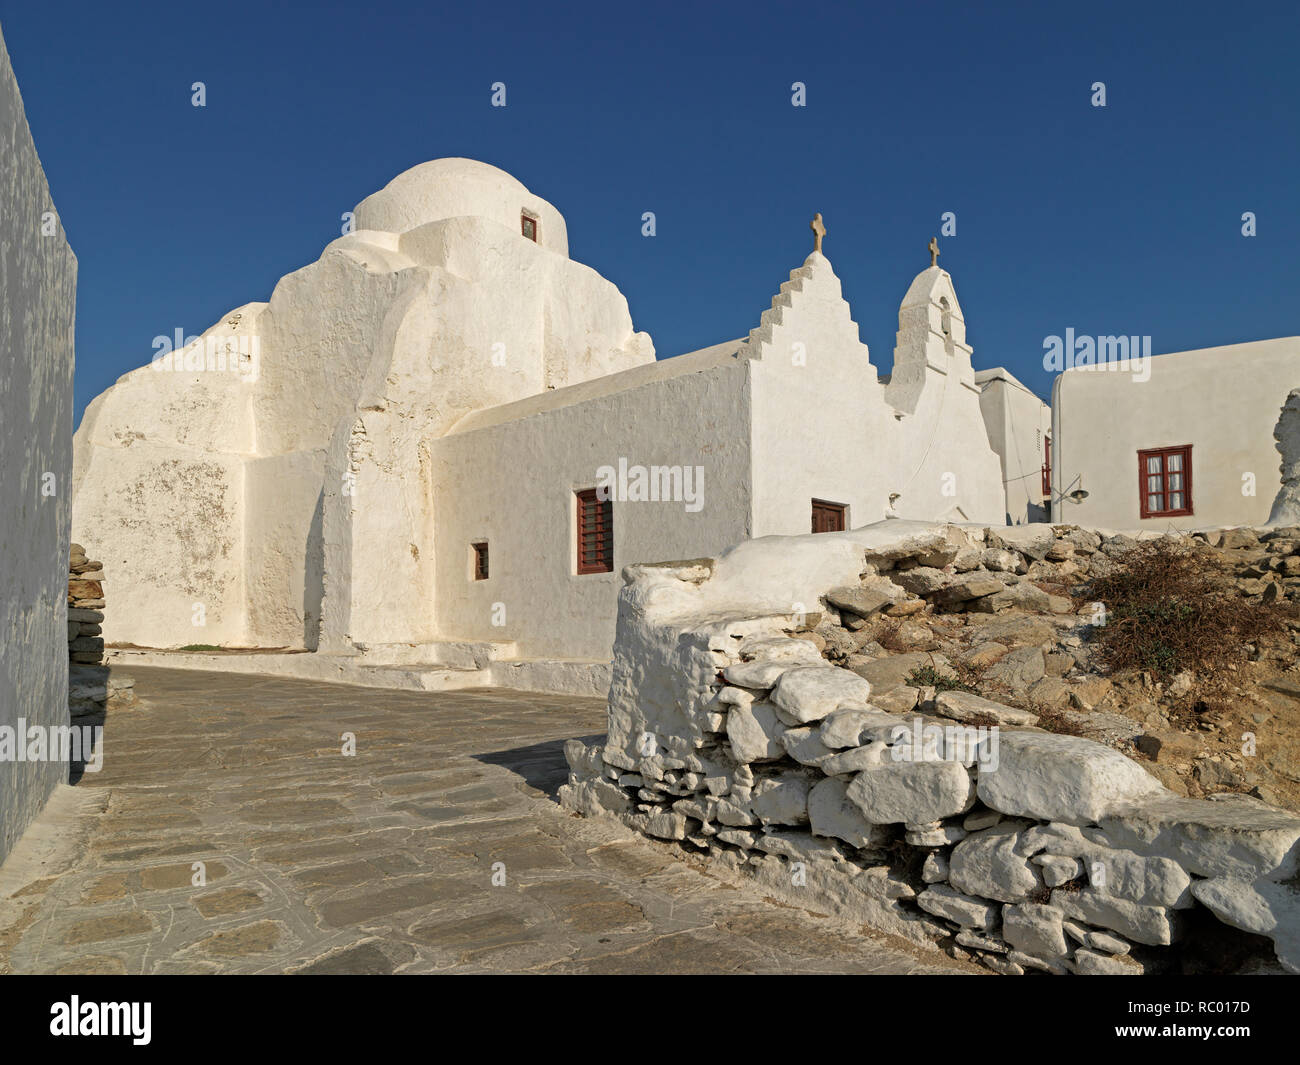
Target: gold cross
[[819, 231], [934, 252]]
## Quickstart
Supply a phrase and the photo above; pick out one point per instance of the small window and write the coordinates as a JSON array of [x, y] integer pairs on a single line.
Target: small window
[[1047, 466], [528, 226], [828, 517], [595, 533], [1165, 481], [480, 560]]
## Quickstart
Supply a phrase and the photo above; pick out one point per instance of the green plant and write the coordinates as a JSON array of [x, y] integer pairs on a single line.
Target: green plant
[[200, 647], [929, 677]]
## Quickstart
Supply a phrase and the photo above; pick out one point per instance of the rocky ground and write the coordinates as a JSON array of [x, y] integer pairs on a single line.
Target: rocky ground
[[1014, 623]]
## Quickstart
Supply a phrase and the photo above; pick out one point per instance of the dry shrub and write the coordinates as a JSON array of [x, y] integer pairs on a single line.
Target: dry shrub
[[1172, 606], [1053, 720], [887, 635]]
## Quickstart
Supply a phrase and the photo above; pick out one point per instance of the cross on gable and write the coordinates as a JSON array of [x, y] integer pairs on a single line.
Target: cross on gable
[[819, 231]]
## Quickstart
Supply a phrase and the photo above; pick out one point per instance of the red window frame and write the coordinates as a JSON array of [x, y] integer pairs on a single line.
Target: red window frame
[[524, 221], [1164, 491], [828, 516], [1047, 466], [480, 560], [595, 529]]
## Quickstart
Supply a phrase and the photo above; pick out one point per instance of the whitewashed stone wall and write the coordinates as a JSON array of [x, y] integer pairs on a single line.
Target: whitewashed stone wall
[[1023, 848], [37, 304]]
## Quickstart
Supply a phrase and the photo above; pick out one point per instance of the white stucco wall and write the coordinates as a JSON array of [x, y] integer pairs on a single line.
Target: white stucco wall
[[37, 307], [1017, 422], [159, 491], [1223, 401], [508, 476]]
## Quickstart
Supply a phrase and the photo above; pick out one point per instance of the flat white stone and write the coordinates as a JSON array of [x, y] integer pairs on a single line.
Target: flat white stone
[[847, 728], [911, 792], [1211, 839], [1153, 925], [855, 759], [805, 746], [1058, 870], [963, 706], [760, 673], [986, 863], [779, 649], [810, 693], [1263, 907], [1108, 944], [833, 814], [754, 733], [780, 800], [942, 901], [1061, 778], [1034, 929]]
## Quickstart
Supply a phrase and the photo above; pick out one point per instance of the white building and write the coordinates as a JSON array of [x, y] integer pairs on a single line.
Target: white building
[[1181, 441], [1020, 430], [403, 445]]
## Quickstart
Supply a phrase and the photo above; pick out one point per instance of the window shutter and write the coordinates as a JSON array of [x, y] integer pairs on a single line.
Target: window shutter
[[595, 533]]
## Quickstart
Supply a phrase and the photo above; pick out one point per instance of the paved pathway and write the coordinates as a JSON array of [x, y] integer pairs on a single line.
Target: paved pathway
[[374, 863]]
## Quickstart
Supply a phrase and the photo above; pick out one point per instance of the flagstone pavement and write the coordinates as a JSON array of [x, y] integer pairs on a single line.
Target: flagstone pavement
[[228, 832]]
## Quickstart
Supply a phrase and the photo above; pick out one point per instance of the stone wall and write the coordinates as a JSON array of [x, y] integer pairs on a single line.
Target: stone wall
[[91, 687], [941, 816], [38, 275]]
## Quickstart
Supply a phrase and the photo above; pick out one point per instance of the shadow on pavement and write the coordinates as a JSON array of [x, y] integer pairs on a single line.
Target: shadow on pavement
[[542, 765]]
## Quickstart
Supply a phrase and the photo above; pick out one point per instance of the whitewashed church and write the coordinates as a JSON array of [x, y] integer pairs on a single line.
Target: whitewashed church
[[445, 430]]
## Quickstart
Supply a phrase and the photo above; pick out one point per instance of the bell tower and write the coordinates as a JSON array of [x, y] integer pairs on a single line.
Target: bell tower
[[931, 338]]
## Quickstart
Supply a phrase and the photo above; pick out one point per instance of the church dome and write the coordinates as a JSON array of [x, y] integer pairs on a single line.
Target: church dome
[[456, 188]]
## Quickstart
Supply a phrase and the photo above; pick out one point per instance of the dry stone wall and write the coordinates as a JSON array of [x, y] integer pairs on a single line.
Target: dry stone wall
[[91, 687], [941, 816]]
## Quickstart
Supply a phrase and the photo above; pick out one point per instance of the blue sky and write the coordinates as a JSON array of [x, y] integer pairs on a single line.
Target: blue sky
[[1117, 220]]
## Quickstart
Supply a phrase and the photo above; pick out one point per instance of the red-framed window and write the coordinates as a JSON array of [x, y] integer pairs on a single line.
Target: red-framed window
[[528, 226], [1165, 481], [480, 560], [1047, 466], [827, 516], [595, 533]]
